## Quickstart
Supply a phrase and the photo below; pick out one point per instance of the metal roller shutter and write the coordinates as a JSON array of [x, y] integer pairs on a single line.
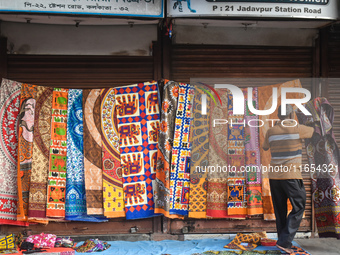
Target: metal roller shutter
[[216, 61], [80, 71]]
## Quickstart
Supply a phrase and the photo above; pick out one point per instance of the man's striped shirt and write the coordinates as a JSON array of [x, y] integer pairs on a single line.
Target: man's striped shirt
[[285, 144]]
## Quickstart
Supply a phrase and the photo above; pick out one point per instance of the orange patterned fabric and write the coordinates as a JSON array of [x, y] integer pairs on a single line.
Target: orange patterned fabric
[[265, 102], [58, 153], [25, 147]]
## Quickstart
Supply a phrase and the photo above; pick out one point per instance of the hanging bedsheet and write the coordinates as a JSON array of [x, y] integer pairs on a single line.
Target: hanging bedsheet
[[113, 198], [252, 157], [218, 154], [165, 143], [237, 202], [138, 127], [25, 147], [9, 114], [265, 102], [323, 152], [93, 151], [180, 158], [199, 137], [41, 153], [75, 204], [58, 153], [217, 194]]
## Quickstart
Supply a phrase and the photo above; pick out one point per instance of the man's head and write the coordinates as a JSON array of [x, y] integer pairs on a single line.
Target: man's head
[[289, 112]]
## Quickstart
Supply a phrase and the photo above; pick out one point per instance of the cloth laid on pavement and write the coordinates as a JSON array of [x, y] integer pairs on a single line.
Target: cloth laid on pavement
[[175, 247], [93, 245]]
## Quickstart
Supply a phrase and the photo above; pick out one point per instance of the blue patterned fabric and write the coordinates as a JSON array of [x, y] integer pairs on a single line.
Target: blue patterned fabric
[[138, 126], [180, 164], [75, 181]]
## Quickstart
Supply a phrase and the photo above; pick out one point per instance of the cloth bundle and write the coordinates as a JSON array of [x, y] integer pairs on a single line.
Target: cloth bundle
[[42, 240], [253, 241], [93, 245]]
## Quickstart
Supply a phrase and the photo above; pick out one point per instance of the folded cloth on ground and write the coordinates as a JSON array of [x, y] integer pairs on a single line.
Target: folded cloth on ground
[[93, 245], [67, 242], [42, 240], [7, 242], [10, 251], [252, 239]]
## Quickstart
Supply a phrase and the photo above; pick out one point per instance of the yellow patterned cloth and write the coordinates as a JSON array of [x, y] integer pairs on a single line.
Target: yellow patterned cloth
[[199, 137], [112, 172], [7, 243], [252, 239]]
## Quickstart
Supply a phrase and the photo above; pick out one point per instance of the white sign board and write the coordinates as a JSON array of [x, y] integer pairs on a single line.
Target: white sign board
[[139, 8], [319, 9]]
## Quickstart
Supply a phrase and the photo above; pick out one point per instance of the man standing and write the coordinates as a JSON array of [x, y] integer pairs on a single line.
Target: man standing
[[285, 143]]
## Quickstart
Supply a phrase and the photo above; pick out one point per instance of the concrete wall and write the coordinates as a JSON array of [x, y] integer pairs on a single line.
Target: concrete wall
[[31, 38], [184, 34]]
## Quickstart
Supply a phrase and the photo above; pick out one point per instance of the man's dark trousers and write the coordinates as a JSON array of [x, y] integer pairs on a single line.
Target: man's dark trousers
[[294, 190]]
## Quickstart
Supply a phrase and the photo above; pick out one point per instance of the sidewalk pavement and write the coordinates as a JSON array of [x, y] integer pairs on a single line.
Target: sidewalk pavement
[[320, 246]]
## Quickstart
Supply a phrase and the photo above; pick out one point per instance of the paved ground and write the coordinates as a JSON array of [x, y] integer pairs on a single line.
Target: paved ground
[[320, 246]]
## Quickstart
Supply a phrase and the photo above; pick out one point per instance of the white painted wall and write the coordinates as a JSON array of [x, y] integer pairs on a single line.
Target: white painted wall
[[83, 40], [184, 34]]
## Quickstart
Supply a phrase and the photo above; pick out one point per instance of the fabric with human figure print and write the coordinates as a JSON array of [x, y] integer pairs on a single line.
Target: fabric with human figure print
[[25, 147], [41, 154]]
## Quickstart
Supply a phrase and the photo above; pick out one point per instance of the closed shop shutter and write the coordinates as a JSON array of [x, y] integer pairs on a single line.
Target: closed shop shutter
[[82, 72], [333, 71], [216, 61]]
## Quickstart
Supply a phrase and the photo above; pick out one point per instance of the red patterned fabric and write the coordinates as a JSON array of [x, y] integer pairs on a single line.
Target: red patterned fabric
[[9, 113]]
